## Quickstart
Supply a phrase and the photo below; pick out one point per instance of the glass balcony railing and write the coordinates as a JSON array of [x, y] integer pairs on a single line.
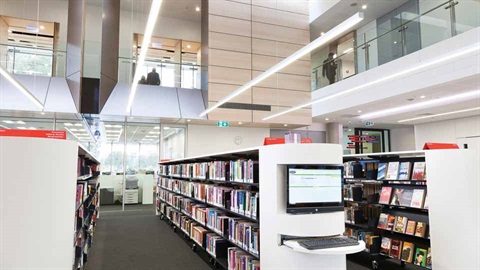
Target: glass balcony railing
[[30, 60], [171, 74], [403, 34]]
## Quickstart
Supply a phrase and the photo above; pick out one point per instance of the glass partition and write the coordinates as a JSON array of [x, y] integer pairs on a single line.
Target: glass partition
[[411, 27]]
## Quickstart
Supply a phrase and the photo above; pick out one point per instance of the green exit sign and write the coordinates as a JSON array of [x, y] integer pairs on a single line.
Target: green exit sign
[[222, 124]]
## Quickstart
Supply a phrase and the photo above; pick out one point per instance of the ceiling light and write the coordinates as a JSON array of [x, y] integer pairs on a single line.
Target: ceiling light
[[42, 27], [285, 125], [154, 132], [188, 46], [197, 9], [157, 127], [240, 123], [32, 29], [439, 114], [32, 128], [366, 133], [325, 39], [364, 7], [73, 129], [422, 96], [157, 44], [188, 120], [424, 104], [20, 87], [359, 111], [394, 42], [349, 129], [326, 119], [113, 130], [348, 50], [21, 127], [447, 57], [8, 121], [10, 30], [78, 125], [42, 113], [68, 124], [151, 136], [166, 128], [117, 126], [108, 126], [322, 33], [152, 18]]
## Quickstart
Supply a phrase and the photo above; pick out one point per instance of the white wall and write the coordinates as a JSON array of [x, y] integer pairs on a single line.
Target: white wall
[[174, 146], [402, 139], [211, 139], [318, 7], [449, 131]]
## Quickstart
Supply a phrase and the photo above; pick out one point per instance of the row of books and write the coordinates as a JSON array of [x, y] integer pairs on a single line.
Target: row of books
[[240, 260], [402, 225], [406, 251], [371, 240], [239, 201], [354, 215], [243, 170], [243, 233], [401, 171], [353, 192], [416, 198]]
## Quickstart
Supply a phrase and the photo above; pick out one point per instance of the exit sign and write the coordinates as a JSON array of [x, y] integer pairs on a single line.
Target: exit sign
[[222, 124], [369, 124]]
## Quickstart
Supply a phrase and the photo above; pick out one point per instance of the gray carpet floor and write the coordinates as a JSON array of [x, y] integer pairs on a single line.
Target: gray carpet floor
[[136, 239]]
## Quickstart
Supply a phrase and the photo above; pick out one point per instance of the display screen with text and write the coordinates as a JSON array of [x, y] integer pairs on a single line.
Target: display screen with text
[[314, 186]]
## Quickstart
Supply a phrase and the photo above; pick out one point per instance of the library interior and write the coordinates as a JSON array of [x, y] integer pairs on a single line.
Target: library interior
[[240, 134]]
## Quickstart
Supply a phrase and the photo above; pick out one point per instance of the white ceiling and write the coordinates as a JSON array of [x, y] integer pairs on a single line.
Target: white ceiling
[[351, 115]]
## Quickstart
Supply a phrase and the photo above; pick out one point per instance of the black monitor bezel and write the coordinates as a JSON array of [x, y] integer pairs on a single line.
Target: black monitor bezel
[[312, 208]]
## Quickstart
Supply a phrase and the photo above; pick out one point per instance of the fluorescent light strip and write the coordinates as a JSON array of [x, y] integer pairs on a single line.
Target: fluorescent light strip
[[322, 40], [152, 18], [439, 101], [21, 88], [448, 57], [439, 114]]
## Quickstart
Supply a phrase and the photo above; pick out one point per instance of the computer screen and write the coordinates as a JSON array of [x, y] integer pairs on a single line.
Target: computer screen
[[314, 188]]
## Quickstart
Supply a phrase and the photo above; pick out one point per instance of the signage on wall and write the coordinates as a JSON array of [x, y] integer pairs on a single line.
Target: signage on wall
[[222, 124], [369, 124], [354, 139]]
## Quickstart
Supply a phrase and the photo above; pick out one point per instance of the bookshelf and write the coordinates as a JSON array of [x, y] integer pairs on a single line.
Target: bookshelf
[[448, 187], [183, 201], [39, 218]]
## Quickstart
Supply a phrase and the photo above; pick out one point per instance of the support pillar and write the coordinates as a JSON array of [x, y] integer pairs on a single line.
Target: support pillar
[[335, 133]]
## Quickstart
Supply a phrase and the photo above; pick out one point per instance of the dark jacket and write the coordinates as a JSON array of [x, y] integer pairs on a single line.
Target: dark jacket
[[153, 78], [329, 69]]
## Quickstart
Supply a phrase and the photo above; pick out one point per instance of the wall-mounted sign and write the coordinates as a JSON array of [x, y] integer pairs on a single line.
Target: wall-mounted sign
[[49, 134], [363, 139], [369, 124], [222, 124]]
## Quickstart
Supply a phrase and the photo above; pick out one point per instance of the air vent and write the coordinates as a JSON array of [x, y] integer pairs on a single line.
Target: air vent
[[245, 106]]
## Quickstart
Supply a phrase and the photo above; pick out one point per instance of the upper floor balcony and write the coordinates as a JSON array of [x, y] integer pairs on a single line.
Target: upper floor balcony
[[405, 30]]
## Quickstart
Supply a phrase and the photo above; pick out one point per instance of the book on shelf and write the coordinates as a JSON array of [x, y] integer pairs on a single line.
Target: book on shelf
[[391, 222], [402, 197], [392, 171], [396, 248], [420, 257], [428, 260], [382, 171], [411, 227], [407, 252], [383, 221], [385, 195], [400, 224], [418, 171], [417, 198], [238, 259], [404, 171], [425, 202], [385, 246], [420, 229]]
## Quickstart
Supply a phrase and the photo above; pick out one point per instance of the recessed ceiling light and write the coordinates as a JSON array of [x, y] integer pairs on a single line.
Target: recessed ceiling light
[[366, 133], [188, 120], [8, 121], [117, 126], [157, 127], [68, 124], [21, 127], [108, 125], [78, 125], [422, 96], [394, 42], [197, 9], [439, 114], [349, 129], [166, 128], [359, 111], [364, 7], [113, 130], [240, 123], [188, 46], [154, 132], [151, 136], [326, 119], [73, 129], [42, 27], [285, 125], [42, 113]]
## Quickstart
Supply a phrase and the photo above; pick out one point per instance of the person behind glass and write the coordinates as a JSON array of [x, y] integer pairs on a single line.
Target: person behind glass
[[329, 68], [142, 80], [153, 78]]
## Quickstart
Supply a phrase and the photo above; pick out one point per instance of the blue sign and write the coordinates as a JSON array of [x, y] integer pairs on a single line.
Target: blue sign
[[369, 124]]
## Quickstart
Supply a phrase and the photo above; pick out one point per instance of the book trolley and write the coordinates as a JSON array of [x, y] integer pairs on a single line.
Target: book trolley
[[410, 207], [231, 208]]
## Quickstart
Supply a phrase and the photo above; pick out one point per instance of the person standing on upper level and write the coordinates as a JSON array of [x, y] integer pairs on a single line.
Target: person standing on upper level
[[153, 78], [329, 68]]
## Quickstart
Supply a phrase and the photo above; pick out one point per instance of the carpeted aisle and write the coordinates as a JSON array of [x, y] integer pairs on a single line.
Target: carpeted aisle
[[136, 239]]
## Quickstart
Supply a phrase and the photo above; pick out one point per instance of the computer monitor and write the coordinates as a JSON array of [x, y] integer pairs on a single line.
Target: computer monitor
[[314, 189]]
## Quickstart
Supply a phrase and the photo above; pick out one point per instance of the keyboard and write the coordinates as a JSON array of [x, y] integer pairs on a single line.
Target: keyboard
[[328, 242]]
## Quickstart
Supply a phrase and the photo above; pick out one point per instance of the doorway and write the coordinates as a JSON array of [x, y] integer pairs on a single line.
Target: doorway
[[372, 141]]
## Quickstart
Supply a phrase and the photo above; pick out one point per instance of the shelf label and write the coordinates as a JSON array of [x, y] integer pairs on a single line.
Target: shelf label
[[49, 134]]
